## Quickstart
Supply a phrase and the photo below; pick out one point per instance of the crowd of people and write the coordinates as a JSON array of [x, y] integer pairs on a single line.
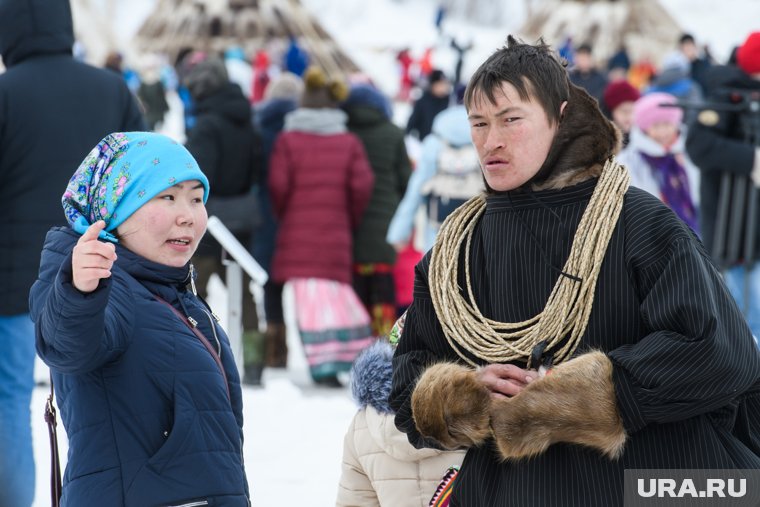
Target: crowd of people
[[555, 247]]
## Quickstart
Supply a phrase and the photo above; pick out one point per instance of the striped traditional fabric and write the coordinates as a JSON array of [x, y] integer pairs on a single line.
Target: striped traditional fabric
[[333, 323], [443, 491]]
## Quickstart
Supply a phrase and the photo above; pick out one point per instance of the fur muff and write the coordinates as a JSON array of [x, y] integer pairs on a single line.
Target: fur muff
[[451, 406], [575, 403]]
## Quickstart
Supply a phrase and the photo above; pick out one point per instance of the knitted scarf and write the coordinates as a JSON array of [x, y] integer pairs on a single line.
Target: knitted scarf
[[674, 187]]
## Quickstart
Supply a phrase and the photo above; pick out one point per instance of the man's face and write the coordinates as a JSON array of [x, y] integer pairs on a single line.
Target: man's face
[[512, 137], [689, 49], [583, 61], [441, 88]]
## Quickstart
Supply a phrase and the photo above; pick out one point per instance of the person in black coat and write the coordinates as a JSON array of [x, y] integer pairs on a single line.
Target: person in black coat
[[586, 75], [561, 367], [369, 117], [53, 110], [434, 99], [699, 66], [280, 98], [229, 153], [718, 143]]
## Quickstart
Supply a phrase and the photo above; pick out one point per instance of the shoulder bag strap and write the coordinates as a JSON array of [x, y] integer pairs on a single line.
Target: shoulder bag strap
[[55, 462], [203, 340]]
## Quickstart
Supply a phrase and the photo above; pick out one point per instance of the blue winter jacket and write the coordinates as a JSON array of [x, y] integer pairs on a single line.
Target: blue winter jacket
[[143, 402]]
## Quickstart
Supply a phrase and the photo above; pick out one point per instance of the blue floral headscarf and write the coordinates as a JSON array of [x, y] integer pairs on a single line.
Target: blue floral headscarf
[[123, 172]]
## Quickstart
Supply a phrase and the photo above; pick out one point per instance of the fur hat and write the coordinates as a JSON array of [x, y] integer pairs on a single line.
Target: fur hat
[[319, 91], [748, 54], [618, 92], [371, 377], [649, 110], [286, 86], [206, 77]]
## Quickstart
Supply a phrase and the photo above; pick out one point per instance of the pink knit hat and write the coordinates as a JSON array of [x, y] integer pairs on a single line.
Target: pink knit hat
[[649, 110]]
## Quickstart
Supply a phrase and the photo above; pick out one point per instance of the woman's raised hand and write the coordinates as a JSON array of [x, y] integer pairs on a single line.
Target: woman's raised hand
[[91, 259]]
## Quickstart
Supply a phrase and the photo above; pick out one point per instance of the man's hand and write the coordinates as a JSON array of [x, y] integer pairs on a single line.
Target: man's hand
[[91, 259], [505, 380]]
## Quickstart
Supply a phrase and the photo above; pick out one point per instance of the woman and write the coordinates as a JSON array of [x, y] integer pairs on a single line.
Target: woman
[[147, 388], [656, 156], [369, 118], [320, 182]]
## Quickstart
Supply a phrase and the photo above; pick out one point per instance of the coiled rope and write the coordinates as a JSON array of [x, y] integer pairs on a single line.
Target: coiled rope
[[569, 305]]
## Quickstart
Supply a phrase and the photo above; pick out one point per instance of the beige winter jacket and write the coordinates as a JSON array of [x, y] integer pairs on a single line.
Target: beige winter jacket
[[382, 469]]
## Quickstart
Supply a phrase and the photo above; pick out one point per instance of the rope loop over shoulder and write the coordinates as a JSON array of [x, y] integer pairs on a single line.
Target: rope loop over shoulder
[[569, 305]]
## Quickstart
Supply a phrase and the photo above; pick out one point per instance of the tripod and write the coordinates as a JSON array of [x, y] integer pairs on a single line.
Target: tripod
[[736, 221]]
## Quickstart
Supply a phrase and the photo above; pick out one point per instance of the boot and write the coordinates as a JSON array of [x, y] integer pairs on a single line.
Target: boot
[[252, 374], [253, 357], [275, 345]]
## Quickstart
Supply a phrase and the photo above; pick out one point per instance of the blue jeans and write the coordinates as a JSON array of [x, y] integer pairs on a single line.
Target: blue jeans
[[735, 281], [16, 385]]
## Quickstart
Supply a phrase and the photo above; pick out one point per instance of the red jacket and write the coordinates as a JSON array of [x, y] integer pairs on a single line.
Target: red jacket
[[320, 186]]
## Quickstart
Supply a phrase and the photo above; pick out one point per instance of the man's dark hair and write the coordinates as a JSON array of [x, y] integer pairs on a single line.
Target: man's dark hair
[[686, 38], [535, 71]]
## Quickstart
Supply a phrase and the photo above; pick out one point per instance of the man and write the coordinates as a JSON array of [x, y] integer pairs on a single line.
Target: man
[[566, 327], [718, 143], [586, 75], [53, 110], [699, 66], [434, 99]]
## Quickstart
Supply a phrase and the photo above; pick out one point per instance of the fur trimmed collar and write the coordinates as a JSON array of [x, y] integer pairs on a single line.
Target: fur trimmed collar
[[585, 139]]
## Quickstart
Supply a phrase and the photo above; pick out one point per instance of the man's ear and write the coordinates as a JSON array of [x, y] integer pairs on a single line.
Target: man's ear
[[562, 109]]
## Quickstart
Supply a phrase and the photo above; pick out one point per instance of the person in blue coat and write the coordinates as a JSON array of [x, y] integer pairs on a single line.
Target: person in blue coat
[[53, 109], [144, 375], [451, 127]]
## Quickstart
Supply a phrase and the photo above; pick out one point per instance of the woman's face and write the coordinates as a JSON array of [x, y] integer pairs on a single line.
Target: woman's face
[[664, 133], [623, 116], [168, 228]]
